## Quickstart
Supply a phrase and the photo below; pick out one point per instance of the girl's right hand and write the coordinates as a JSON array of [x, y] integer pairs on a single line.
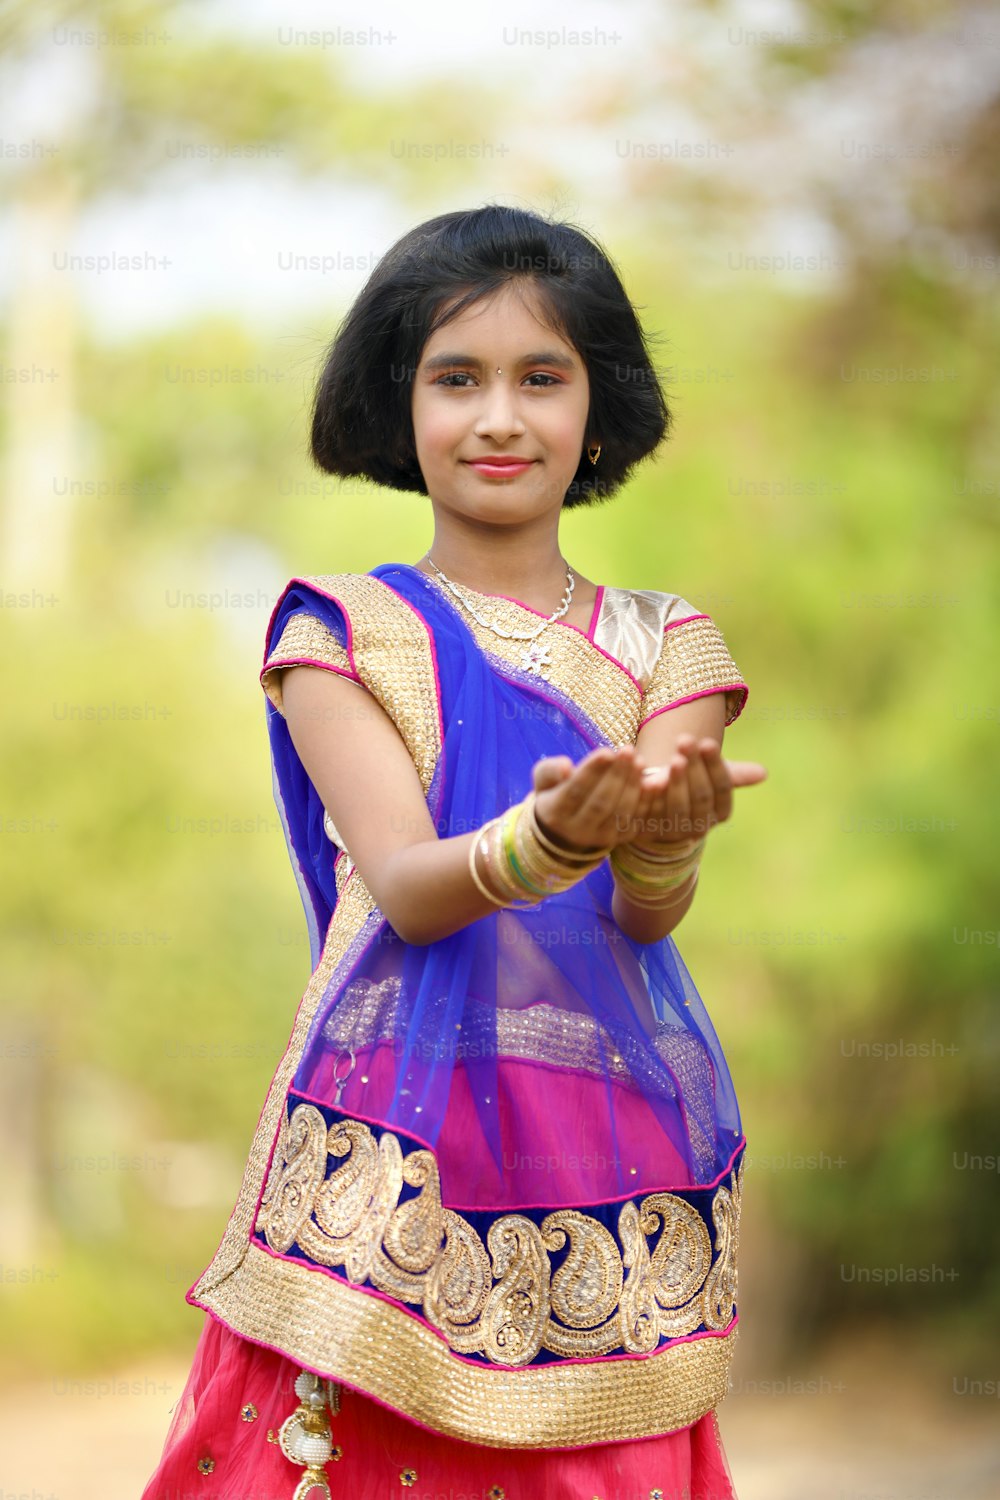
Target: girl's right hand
[[588, 805]]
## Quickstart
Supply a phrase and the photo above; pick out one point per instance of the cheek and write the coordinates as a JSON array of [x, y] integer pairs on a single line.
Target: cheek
[[568, 425], [434, 428]]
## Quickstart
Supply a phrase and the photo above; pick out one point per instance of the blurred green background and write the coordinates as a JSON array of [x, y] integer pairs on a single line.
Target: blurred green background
[[808, 218]]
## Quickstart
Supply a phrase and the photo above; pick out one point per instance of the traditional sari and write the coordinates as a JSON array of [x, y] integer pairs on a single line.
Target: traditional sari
[[490, 1214]]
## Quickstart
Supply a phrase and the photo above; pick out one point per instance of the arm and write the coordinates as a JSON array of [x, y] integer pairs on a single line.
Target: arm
[[367, 782], [370, 787], [656, 742]]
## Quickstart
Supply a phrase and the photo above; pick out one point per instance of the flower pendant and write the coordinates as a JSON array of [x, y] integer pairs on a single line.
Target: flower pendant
[[536, 658]]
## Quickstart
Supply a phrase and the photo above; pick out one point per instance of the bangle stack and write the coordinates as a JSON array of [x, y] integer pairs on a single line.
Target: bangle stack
[[647, 875], [523, 863]]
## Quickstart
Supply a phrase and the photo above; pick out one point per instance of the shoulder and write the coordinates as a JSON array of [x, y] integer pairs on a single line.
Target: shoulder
[[631, 625], [666, 607], [694, 658]]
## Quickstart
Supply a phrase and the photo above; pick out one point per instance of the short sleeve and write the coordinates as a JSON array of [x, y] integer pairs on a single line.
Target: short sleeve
[[305, 640], [693, 662]]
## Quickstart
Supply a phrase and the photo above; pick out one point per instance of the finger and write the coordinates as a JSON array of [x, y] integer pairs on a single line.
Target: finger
[[583, 809], [701, 796], [679, 800], [746, 772], [621, 781], [586, 775], [551, 770], [717, 771], [667, 819]]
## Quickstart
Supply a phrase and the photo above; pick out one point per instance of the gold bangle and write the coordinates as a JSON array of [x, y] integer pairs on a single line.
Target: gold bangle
[[473, 847], [563, 866], [651, 904], [496, 863], [517, 866], [640, 873], [539, 866], [568, 856], [656, 855]]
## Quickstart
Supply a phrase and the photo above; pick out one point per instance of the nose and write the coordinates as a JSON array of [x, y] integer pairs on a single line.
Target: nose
[[498, 416]]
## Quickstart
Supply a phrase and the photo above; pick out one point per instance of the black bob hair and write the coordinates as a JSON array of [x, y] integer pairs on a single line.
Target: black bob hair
[[361, 422]]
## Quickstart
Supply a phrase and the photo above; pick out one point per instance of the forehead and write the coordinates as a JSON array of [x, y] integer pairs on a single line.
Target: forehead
[[513, 314]]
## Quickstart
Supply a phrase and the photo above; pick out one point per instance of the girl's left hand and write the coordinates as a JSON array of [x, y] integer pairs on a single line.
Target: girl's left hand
[[685, 800]]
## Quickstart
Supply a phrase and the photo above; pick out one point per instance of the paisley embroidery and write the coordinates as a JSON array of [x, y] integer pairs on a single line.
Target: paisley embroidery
[[505, 1300], [721, 1285]]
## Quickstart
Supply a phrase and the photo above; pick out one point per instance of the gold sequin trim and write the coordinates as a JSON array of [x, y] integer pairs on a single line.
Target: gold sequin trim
[[392, 653], [607, 695], [501, 1299], [394, 660], [305, 638], [379, 1348], [694, 659], [249, 1412], [367, 1013], [352, 911]]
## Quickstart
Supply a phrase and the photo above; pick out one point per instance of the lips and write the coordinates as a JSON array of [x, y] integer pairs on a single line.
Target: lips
[[500, 465]]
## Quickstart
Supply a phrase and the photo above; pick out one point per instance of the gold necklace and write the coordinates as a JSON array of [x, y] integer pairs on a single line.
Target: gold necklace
[[536, 657]]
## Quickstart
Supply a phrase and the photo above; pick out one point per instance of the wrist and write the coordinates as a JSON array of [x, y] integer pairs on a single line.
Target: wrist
[[654, 879], [564, 845]]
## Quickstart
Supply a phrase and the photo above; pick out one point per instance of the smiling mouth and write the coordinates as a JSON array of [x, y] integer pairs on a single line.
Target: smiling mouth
[[500, 467]]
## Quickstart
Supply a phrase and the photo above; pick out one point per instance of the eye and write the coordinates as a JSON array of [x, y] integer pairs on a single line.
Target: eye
[[543, 375], [452, 377]]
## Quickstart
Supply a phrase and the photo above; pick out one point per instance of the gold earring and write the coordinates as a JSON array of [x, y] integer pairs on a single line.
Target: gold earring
[[594, 452]]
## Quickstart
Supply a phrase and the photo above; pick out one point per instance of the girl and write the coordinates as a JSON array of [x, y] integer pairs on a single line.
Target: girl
[[485, 1244]]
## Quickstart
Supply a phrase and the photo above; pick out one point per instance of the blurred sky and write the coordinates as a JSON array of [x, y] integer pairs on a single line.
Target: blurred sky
[[678, 72], [223, 226]]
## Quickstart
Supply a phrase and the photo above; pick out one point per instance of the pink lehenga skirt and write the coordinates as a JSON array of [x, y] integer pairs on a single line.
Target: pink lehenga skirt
[[223, 1444]]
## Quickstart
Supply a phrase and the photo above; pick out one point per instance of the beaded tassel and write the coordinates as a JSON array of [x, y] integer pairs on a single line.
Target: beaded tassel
[[305, 1437]]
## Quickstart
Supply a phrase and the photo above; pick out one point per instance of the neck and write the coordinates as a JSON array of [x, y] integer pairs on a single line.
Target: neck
[[524, 567]]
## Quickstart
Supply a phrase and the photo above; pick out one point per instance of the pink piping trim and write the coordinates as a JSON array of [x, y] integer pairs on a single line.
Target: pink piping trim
[[597, 610], [341, 1380], [326, 595], [311, 661], [672, 624], [417, 1317], [731, 687]]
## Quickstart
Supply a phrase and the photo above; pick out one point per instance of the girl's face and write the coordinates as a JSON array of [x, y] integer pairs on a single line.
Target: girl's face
[[465, 414]]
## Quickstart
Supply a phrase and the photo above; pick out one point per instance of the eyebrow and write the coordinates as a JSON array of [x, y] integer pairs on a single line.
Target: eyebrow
[[466, 361]]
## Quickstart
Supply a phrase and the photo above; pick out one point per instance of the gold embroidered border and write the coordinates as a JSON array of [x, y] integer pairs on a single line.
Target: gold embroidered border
[[392, 652], [353, 909], [304, 638], [393, 655], [694, 659], [608, 697], [499, 1294], [369, 1343]]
